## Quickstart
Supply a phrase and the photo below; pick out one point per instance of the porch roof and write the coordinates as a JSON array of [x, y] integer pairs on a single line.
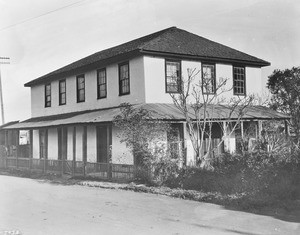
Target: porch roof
[[160, 111]]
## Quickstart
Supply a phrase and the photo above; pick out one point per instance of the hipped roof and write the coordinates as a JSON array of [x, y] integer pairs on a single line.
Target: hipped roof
[[170, 42], [159, 111]]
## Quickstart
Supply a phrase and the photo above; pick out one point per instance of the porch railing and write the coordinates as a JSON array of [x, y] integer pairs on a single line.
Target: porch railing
[[75, 168]]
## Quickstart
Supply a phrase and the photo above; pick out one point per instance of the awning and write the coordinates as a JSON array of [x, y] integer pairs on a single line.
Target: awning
[[164, 112]]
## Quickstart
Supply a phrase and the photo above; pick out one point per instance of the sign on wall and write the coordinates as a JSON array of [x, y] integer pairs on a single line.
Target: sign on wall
[[24, 138]]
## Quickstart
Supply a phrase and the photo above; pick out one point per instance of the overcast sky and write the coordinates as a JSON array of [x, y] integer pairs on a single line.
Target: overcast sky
[[43, 35]]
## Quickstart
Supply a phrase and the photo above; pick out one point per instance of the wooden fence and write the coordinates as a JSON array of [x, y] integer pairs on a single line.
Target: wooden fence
[[108, 171]]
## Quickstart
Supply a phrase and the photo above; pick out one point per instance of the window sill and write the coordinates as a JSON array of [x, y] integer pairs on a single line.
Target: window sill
[[240, 94]]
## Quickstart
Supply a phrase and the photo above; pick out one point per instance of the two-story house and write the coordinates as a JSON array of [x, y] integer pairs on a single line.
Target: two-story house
[[73, 107]]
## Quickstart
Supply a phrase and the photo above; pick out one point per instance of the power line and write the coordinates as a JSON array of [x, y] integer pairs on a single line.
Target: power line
[[47, 13]]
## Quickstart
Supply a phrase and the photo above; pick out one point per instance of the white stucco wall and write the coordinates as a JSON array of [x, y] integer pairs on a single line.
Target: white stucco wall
[[35, 144], [52, 144], [254, 82], [91, 144], [229, 141], [120, 153], [154, 69], [137, 90]]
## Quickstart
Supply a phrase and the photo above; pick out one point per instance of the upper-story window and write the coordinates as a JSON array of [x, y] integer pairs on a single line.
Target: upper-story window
[[62, 92], [124, 79], [239, 81], [101, 83], [173, 76], [48, 95], [208, 79], [80, 88]]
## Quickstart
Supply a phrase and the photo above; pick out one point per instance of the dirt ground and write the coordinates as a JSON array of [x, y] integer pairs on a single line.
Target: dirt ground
[[30, 206]]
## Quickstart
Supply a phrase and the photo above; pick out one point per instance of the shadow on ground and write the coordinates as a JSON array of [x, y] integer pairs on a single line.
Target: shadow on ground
[[286, 211]]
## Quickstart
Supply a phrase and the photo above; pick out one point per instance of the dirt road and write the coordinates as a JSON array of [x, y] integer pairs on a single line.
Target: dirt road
[[37, 207]]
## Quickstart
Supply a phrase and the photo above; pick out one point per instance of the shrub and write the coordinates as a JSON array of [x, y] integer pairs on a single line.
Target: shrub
[[258, 175]]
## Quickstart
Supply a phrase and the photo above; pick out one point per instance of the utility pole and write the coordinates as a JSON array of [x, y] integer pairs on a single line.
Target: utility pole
[[3, 60]]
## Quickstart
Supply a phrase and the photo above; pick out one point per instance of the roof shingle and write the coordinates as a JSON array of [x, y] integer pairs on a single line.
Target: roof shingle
[[170, 41]]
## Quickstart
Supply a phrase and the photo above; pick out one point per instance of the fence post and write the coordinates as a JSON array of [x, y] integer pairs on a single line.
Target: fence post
[[30, 148]]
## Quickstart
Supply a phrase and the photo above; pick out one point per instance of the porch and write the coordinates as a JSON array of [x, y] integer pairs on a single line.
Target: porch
[[107, 171], [87, 143], [75, 150]]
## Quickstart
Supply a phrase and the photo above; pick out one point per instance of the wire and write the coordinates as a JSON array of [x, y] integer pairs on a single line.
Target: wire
[[47, 13]]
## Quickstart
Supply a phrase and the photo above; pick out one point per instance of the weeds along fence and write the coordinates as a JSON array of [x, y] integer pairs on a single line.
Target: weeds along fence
[[109, 171]]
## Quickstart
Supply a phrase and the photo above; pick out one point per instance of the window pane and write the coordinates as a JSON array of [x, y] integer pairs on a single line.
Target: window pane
[[81, 95], [62, 86], [80, 88], [102, 92], [173, 76], [124, 79], [48, 95], [63, 98], [101, 83], [239, 80], [208, 78]]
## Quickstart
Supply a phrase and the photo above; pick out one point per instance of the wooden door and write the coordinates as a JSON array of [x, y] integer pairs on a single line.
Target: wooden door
[[62, 143], [43, 137], [103, 143]]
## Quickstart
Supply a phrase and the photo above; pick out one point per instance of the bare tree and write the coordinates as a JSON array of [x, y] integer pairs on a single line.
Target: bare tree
[[202, 102]]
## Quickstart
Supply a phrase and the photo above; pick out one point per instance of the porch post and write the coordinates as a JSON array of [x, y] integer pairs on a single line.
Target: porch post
[[109, 145], [74, 151], [183, 140], [242, 130], [259, 128], [46, 150], [17, 145], [286, 129], [6, 148], [224, 136], [30, 148], [84, 148]]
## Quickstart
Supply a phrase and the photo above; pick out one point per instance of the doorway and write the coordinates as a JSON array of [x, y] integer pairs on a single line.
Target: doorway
[[104, 140]]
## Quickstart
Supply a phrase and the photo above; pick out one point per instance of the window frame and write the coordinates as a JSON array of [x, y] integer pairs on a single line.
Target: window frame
[[214, 78], [60, 93], [244, 80], [49, 95], [179, 78], [121, 93], [99, 85], [78, 90]]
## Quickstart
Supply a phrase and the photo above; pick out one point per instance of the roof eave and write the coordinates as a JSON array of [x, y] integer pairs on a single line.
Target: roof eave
[[82, 69], [101, 63], [262, 63]]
